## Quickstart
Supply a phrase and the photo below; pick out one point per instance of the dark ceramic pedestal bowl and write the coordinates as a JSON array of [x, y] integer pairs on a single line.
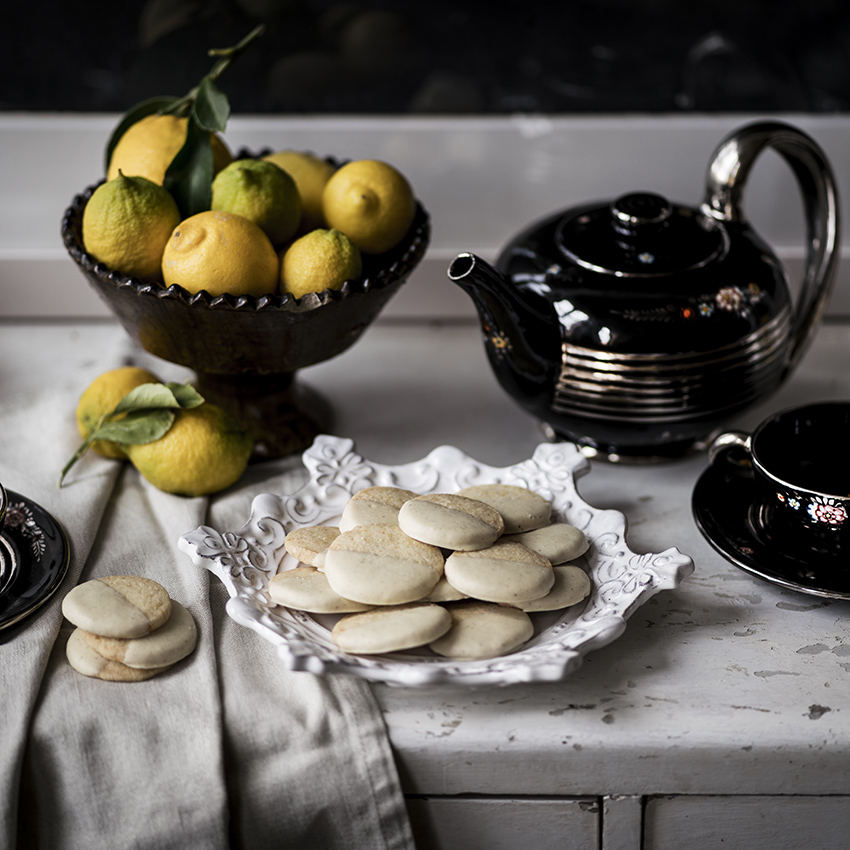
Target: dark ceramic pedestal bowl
[[246, 351]]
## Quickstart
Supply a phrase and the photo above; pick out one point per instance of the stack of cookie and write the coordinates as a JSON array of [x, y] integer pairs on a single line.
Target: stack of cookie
[[457, 572], [128, 629]]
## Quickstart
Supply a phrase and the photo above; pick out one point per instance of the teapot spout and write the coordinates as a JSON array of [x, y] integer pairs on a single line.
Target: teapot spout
[[521, 337]]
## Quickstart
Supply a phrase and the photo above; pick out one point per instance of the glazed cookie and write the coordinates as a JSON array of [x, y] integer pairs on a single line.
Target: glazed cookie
[[558, 543], [521, 509], [90, 662], [451, 521], [483, 630], [118, 606], [374, 505], [392, 628], [309, 544], [572, 584], [308, 589], [444, 592], [162, 647], [504, 572], [380, 565]]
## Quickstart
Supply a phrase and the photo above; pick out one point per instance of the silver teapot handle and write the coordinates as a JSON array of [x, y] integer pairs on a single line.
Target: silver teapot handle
[[727, 176]]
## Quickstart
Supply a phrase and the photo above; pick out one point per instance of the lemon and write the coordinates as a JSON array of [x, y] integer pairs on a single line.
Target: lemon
[[101, 397], [221, 252], [321, 259], [371, 202], [126, 224], [203, 452], [262, 192], [148, 146], [310, 174]]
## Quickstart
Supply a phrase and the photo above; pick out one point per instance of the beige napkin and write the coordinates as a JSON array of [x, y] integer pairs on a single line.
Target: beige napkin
[[227, 749]]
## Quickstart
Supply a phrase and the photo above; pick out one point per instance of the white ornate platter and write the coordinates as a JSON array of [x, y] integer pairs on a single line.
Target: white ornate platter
[[246, 559]]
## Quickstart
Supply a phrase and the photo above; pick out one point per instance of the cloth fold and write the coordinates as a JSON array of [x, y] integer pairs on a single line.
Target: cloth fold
[[225, 750]]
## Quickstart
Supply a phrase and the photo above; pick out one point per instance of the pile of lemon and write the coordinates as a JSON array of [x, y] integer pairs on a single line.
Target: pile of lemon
[[287, 223]]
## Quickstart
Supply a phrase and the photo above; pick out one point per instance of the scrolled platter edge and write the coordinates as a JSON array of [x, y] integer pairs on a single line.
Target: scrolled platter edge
[[245, 560]]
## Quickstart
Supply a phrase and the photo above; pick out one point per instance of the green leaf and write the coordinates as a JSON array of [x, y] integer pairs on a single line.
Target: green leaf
[[211, 109], [189, 177], [186, 395], [146, 396], [136, 113], [137, 427]]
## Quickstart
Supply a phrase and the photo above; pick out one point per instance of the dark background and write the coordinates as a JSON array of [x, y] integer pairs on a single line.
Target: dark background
[[580, 56]]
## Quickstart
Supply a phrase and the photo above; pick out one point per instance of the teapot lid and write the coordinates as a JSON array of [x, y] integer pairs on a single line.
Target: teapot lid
[[640, 235]]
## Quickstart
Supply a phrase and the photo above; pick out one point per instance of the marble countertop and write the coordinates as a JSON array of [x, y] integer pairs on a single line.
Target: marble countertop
[[727, 684]]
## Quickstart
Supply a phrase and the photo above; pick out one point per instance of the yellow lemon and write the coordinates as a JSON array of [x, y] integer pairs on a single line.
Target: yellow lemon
[[148, 146], [222, 253], [261, 192], [371, 202], [101, 397], [321, 259], [126, 224], [310, 174], [203, 452]]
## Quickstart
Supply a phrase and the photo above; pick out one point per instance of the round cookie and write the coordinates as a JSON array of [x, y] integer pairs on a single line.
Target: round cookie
[[90, 662], [483, 630], [374, 505], [308, 589], [558, 543], [392, 628], [572, 584], [451, 521], [444, 592], [521, 509], [118, 606], [380, 565], [162, 647], [504, 572], [309, 544]]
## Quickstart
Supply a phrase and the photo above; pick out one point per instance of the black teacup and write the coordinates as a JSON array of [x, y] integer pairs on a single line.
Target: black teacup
[[801, 462]]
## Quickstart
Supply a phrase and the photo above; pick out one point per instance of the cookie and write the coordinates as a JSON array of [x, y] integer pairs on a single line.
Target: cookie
[[380, 565], [392, 628], [374, 505], [558, 543], [572, 585], [504, 572], [309, 544], [308, 589], [88, 661], [483, 630], [444, 592], [162, 647], [118, 606], [521, 509], [451, 521]]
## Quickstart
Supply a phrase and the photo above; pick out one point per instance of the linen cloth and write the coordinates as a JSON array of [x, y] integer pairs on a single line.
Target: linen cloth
[[225, 750]]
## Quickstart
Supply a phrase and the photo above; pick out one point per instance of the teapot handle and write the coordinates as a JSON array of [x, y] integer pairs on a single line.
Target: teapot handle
[[727, 176]]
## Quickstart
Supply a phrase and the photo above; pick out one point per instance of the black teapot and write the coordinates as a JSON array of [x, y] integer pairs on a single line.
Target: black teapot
[[636, 328]]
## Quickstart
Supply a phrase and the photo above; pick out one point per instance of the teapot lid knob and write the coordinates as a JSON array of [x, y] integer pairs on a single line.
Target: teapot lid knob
[[640, 209]]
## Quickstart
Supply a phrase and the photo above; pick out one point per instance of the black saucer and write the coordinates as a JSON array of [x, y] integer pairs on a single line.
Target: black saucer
[[728, 510], [42, 555]]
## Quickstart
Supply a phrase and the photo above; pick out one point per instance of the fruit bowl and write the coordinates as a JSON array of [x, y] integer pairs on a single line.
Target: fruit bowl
[[246, 350]]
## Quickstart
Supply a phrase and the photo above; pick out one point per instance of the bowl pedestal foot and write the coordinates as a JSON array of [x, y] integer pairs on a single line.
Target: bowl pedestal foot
[[282, 414]]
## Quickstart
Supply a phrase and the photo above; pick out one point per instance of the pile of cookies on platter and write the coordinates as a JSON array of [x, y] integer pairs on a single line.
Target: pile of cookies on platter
[[459, 573], [128, 629]]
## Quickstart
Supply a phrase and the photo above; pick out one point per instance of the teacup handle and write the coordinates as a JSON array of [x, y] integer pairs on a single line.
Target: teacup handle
[[727, 176], [726, 441]]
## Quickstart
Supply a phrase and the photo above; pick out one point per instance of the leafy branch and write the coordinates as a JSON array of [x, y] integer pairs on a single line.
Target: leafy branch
[[189, 176], [144, 415]]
